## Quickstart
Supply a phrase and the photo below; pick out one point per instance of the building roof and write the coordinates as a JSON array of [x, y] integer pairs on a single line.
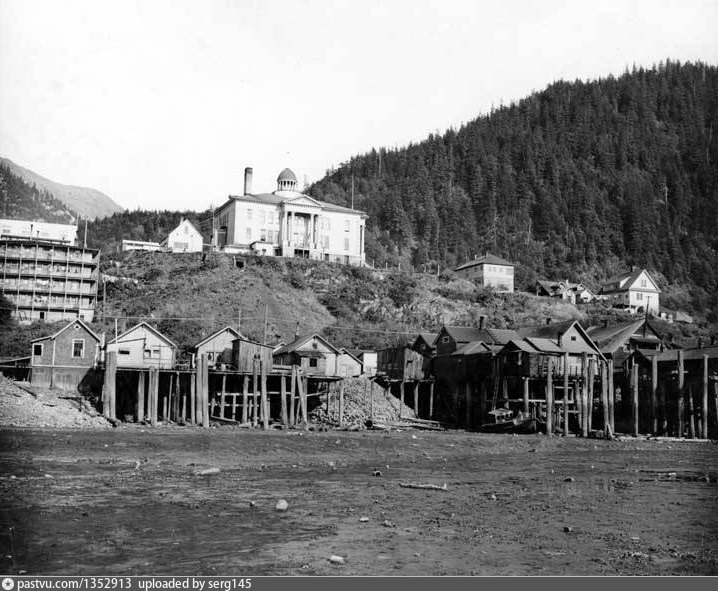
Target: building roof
[[551, 332], [287, 175], [544, 345], [301, 340], [64, 328], [274, 199], [611, 338], [487, 259], [463, 334], [473, 348], [628, 278], [689, 354], [228, 328], [345, 351], [147, 326], [427, 337]]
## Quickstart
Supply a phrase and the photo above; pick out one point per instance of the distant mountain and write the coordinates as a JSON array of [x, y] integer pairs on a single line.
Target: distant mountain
[[82, 201], [22, 201]]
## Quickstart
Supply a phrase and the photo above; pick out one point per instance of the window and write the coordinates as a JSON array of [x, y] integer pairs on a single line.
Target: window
[[312, 362], [573, 337], [37, 350], [78, 347], [445, 339], [644, 283], [124, 351], [249, 233], [639, 296], [346, 244], [262, 217], [263, 235], [249, 214], [147, 353], [346, 225]]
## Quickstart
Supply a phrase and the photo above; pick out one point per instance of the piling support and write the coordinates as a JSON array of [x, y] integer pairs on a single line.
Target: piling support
[[416, 399], [526, 396], [108, 389], [292, 391], [283, 395], [611, 398], [245, 392], [634, 397], [265, 396], [154, 381], [255, 389], [205, 391], [549, 400], [431, 399], [681, 395], [704, 401], [193, 398], [565, 394], [141, 397], [691, 414], [654, 394]]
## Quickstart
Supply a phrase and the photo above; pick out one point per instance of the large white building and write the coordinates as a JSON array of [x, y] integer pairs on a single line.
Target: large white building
[[289, 223], [31, 230], [489, 271]]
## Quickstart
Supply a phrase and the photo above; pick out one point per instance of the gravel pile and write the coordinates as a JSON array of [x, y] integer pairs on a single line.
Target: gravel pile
[[23, 405], [357, 406]]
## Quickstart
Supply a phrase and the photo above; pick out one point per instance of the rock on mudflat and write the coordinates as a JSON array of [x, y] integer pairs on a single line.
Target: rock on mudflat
[[281, 505], [334, 559]]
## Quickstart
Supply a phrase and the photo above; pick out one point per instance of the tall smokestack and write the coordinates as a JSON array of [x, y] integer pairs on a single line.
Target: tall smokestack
[[248, 180]]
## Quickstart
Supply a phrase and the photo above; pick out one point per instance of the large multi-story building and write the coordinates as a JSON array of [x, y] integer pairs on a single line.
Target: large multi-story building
[[48, 278], [288, 223]]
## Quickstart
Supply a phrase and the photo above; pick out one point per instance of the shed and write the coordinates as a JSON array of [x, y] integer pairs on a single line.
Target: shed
[[218, 346], [348, 365], [244, 352]]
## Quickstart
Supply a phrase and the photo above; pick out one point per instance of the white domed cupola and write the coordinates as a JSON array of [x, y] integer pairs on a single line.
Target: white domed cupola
[[287, 181]]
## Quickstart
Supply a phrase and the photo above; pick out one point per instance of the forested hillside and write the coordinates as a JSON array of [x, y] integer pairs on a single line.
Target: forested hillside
[[151, 226], [19, 200], [579, 180]]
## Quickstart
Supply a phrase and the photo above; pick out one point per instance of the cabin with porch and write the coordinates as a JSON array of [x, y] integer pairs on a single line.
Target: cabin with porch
[[67, 359]]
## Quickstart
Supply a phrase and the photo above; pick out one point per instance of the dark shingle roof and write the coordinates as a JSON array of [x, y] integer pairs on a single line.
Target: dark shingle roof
[[487, 259]]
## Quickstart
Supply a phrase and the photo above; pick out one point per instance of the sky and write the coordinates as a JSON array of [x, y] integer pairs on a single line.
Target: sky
[[162, 104]]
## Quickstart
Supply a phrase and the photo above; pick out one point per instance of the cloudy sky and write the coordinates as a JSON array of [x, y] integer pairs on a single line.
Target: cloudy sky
[[161, 104]]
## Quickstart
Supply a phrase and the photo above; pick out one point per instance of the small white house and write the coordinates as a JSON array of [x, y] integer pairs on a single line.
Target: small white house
[[634, 290], [348, 364], [143, 346], [184, 238], [218, 346]]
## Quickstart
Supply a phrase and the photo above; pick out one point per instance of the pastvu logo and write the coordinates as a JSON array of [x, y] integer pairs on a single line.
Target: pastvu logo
[[8, 583]]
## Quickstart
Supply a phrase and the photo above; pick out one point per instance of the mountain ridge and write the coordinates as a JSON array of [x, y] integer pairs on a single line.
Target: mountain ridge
[[84, 202]]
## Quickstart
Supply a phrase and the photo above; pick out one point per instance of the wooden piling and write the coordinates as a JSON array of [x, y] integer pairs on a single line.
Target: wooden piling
[[592, 364], [183, 409], [265, 396], [662, 404], [691, 414], [526, 396], [634, 397], [431, 400], [255, 388], [416, 399], [654, 394], [565, 394], [704, 401], [222, 399], [245, 392], [166, 407], [341, 404], [108, 388], [205, 391], [681, 395], [170, 398], [302, 388], [283, 395], [154, 381], [371, 402], [401, 398], [292, 391], [141, 397], [584, 394], [604, 395], [193, 398], [549, 400], [611, 398]]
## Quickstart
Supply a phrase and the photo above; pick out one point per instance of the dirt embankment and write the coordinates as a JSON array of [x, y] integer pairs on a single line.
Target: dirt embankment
[[23, 405]]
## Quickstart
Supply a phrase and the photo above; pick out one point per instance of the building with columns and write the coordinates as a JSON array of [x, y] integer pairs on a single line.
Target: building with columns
[[288, 223]]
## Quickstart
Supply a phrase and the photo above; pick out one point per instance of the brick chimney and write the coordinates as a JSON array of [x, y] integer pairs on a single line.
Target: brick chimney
[[248, 180]]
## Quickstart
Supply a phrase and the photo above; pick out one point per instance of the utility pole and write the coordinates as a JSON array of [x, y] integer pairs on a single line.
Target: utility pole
[[265, 324], [239, 321], [352, 190]]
